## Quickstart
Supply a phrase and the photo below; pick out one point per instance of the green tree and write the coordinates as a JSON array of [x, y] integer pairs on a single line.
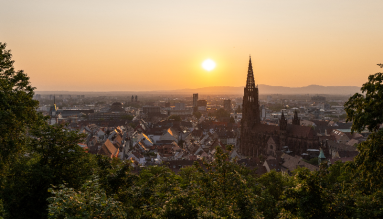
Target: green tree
[[312, 161], [53, 157], [365, 111], [222, 189], [17, 110], [222, 113], [89, 202], [175, 117], [270, 188], [127, 117], [197, 114]]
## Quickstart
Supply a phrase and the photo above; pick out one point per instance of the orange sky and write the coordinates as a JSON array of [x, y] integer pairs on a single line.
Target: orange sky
[[118, 45]]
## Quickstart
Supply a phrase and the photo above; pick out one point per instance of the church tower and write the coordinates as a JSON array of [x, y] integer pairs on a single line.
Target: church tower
[[283, 122], [250, 114], [296, 120], [250, 107]]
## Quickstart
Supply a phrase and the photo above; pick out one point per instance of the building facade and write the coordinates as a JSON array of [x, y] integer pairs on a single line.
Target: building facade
[[255, 136]]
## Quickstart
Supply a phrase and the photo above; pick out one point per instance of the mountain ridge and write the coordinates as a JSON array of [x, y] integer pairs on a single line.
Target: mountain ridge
[[230, 90]]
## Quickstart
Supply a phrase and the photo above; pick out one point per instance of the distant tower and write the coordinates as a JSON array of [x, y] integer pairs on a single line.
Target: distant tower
[[283, 122], [132, 98], [283, 129], [250, 106], [136, 98], [195, 100], [250, 114], [296, 120]]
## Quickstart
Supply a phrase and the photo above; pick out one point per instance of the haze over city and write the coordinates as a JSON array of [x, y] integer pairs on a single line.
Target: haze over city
[[191, 109], [160, 45]]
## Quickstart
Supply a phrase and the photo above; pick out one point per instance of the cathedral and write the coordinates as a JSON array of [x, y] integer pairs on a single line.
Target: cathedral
[[262, 139]]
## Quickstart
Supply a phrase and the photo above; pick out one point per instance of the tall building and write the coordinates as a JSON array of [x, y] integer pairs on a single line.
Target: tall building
[[250, 111], [195, 99], [257, 138]]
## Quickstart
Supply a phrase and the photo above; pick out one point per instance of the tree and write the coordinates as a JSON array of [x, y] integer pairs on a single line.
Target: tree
[[197, 114], [221, 113], [175, 117], [312, 161], [17, 109], [127, 117], [90, 202], [366, 111], [53, 157], [270, 187], [222, 189]]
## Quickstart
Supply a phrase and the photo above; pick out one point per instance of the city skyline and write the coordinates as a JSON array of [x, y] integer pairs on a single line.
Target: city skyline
[[143, 46]]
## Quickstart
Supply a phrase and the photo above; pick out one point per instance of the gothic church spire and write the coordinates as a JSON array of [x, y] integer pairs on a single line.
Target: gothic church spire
[[250, 83]]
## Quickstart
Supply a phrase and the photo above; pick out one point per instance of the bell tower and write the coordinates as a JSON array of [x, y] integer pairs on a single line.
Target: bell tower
[[250, 107], [250, 114], [296, 120]]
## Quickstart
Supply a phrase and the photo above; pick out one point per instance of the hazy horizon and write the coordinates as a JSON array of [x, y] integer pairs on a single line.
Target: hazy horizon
[[170, 89], [153, 45]]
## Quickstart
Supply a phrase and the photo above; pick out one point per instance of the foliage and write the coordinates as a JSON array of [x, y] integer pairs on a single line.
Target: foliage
[[197, 114], [17, 109], [128, 117], [366, 111], [90, 202], [343, 116], [132, 125], [270, 188], [221, 113], [368, 165], [276, 107], [2, 212], [312, 161], [53, 157], [175, 117]]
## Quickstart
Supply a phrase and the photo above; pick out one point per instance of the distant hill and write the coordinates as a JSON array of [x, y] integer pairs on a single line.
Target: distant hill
[[267, 89], [263, 89]]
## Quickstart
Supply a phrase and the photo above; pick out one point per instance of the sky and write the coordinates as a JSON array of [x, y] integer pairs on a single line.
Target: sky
[[143, 45]]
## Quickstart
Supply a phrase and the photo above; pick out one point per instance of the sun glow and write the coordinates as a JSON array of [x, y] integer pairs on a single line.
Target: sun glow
[[208, 64]]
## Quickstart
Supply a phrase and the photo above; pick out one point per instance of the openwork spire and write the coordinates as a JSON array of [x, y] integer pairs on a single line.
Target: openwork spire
[[250, 83]]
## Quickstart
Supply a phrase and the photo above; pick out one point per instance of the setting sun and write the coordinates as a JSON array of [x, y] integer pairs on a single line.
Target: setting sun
[[208, 65]]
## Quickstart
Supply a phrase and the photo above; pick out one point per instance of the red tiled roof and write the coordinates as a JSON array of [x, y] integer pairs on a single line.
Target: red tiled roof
[[108, 149]]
